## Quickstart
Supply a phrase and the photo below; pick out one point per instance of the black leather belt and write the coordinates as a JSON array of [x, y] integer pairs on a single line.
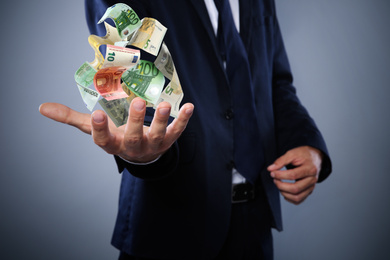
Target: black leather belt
[[242, 192]]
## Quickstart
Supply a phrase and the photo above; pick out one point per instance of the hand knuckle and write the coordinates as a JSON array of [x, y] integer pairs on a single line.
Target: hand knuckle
[[133, 140], [176, 131], [296, 199], [295, 190], [155, 138], [294, 176], [132, 154], [101, 142], [313, 170]]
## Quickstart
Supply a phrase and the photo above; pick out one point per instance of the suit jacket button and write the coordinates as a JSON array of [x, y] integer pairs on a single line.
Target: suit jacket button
[[229, 114]]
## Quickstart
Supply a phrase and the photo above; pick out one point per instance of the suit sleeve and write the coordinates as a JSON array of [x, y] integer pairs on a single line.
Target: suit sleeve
[[166, 165], [293, 124]]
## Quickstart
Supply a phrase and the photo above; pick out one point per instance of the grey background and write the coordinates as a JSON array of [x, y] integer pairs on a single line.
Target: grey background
[[58, 191]]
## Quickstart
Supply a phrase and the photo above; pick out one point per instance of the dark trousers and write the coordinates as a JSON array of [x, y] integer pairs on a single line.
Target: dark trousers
[[249, 235]]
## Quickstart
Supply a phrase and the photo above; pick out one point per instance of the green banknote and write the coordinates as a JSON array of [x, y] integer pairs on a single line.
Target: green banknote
[[84, 75], [89, 96], [145, 80], [84, 78], [125, 19], [117, 110]]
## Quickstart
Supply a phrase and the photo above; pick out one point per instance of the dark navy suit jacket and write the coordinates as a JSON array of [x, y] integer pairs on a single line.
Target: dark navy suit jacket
[[179, 207]]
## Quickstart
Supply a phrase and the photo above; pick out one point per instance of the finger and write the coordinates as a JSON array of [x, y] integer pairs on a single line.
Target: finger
[[66, 115], [298, 198], [178, 125], [292, 174], [101, 134], [296, 187], [134, 127], [158, 127], [281, 162]]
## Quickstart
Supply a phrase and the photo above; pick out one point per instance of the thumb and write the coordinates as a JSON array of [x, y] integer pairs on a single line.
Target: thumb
[[66, 115], [280, 163]]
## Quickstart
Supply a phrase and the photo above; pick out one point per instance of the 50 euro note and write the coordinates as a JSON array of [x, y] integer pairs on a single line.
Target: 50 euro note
[[125, 19], [107, 80], [149, 36]]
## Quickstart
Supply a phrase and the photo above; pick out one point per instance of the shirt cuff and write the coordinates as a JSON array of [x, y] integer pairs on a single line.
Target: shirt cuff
[[146, 163]]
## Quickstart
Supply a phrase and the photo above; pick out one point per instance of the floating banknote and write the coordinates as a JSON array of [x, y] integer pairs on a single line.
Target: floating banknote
[[90, 96], [117, 110], [145, 80], [140, 78], [117, 56], [172, 93], [107, 82], [95, 41], [168, 95], [85, 74], [131, 95], [84, 78], [125, 19], [149, 36]]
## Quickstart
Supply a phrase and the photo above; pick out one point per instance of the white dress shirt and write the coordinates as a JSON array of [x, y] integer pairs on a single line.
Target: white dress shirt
[[213, 14]]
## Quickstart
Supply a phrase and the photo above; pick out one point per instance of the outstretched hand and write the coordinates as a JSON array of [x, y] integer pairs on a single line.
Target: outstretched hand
[[134, 141], [307, 162]]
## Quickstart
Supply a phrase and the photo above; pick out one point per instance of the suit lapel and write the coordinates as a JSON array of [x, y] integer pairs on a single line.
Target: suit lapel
[[246, 21], [201, 9]]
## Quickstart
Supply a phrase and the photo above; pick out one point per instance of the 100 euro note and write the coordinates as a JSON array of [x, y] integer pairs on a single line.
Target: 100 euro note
[[125, 19], [84, 77], [145, 80]]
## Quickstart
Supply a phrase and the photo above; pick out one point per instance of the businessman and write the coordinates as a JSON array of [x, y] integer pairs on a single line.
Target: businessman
[[207, 184]]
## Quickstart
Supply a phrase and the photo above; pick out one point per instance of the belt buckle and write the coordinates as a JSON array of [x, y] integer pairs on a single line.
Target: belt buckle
[[242, 192]]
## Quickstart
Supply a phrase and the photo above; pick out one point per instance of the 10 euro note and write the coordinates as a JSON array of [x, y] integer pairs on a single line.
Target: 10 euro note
[[107, 80]]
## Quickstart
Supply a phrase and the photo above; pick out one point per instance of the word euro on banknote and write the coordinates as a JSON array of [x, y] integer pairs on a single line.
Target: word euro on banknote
[[125, 19], [107, 80]]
